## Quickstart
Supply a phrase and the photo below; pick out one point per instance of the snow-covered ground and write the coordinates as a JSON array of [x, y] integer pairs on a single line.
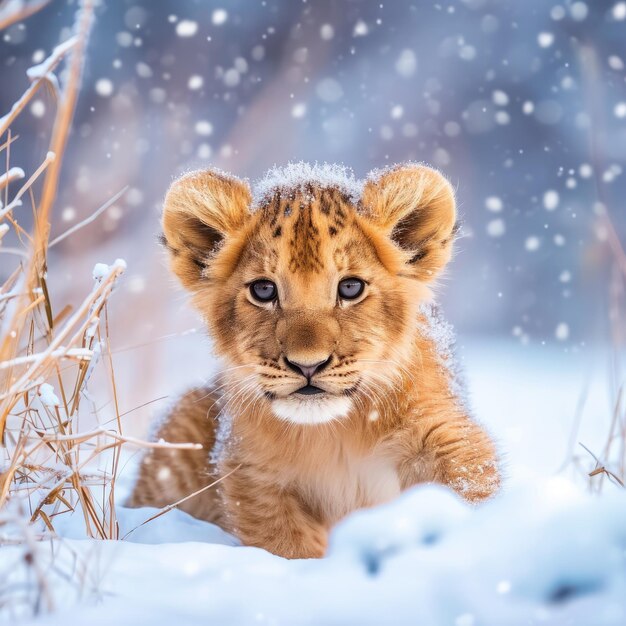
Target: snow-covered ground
[[543, 552]]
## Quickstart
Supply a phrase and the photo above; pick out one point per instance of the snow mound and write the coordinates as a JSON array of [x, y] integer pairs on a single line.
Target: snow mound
[[294, 178], [372, 536], [544, 554]]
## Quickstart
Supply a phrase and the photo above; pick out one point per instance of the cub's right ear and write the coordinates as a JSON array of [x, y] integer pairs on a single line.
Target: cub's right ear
[[202, 209]]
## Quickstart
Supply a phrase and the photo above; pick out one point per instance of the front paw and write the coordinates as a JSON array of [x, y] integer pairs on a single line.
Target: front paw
[[476, 483]]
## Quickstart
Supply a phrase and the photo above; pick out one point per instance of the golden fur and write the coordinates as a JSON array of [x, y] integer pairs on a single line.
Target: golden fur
[[389, 416]]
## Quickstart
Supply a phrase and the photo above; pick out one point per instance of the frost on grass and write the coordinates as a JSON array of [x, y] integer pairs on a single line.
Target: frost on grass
[[47, 395], [36, 74], [295, 178], [14, 173], [100, 270], [44, 69]]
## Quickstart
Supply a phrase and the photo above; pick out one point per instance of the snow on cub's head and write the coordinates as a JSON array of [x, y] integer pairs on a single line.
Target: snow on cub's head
[[310, 290]]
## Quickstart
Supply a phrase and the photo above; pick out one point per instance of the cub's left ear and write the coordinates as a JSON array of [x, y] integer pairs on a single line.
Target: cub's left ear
[[414, 205], [202, 210]]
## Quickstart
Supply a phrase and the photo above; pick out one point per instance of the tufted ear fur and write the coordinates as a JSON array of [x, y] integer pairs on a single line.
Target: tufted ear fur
[[202, 209], [414, 206]]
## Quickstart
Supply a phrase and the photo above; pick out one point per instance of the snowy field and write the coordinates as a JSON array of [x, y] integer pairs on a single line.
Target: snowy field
[[521, 104], [543, 552]]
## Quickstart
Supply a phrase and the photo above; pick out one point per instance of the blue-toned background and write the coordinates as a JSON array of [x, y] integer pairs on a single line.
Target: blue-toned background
[[521, 104]]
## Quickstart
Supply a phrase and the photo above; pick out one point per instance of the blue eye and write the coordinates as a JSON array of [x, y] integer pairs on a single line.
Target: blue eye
[[350, 288], [263, 290]]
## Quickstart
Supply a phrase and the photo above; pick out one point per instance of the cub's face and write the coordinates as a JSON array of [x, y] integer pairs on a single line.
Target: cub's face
[[311, 296]]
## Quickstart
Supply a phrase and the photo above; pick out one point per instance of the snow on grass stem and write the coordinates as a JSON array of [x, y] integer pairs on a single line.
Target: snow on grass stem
[[47, 464], [15, 173], [94, 302], [16, 202], [14, 12], [53, 60]]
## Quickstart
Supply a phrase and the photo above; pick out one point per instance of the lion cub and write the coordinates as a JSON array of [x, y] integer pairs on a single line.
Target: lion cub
[[337, 392]]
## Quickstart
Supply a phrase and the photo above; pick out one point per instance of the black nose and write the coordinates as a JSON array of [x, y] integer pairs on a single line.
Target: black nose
[[307, 370]]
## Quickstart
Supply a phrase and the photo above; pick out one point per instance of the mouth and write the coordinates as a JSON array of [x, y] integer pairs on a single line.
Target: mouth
[[309, 390]]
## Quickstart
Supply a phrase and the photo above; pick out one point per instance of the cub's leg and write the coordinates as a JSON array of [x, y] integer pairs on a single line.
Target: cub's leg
[[268, 516], [453, 450], [165, 476]]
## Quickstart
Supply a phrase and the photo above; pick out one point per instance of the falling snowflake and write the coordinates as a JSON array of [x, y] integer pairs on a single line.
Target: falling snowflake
[[532, 243], [500, 98], [619, 11], [406, 64], [397, 112], [545, 39], [195, 82], [219, 17], [550, 200], [579, 11], [104, 87], [496, 228], [329, 90], [203, 128], [38, 108], [298, 110], [493, 203], [562, 331], [327, 32], [186, 28], [232, 77], [360, 29]]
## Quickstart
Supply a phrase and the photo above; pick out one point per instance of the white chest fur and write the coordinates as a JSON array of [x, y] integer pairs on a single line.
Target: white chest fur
[[355, 483]]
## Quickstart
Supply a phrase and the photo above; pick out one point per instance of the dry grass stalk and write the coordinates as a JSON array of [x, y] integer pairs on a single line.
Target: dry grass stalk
[[173, 505], [610, 464], [15, 12], [43, 77], [49, 464], [50, 474]]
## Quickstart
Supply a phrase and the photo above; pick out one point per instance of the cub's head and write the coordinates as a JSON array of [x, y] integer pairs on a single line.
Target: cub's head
[[311, 291]]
